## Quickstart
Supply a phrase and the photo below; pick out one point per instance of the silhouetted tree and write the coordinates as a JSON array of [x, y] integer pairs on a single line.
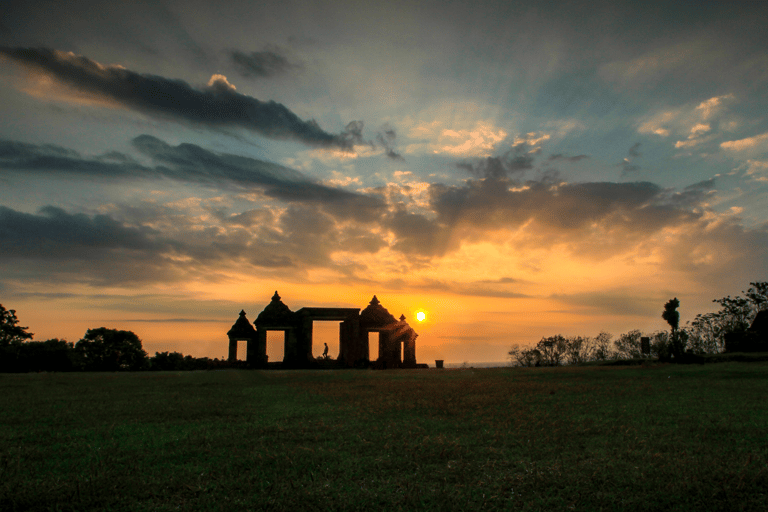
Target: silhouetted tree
[[677, 339], [578, 349], [525, 357], [671, 315], [10, 331], [758, 295], [628, 345], [52, 355], [552, 350], [602, 346], [167, 361], [105, 349]]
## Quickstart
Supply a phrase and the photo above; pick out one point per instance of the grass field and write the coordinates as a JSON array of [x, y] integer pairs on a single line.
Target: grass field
[[656, 437]]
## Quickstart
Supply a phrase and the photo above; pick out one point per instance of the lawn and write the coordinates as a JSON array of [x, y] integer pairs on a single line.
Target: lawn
[[688, 437]]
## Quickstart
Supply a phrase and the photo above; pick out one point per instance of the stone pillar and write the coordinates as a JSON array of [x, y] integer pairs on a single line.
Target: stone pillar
[[409, 351], [293, 341], [257, 348], [232, 350]]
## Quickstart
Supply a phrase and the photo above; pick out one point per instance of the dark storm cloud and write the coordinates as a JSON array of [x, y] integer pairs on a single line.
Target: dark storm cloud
[[192, 164], [218, 105], [265, 64]]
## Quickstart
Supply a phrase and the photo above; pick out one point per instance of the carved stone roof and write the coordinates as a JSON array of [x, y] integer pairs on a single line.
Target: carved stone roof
[[275, 314], [242, 328], [375, 315]]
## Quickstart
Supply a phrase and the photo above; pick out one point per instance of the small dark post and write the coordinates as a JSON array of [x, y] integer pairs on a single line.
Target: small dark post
[[645, 345], [438, 363]]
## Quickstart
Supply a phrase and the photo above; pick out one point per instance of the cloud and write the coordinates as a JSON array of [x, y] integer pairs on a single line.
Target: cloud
[[711, 105], [263, 64], [621, 302], [561, 157], [531, 139], [55, 232], [745, 144], [190, 163], [513, 162], [627, 165], [386, 138], [218, 105], [479, 140]]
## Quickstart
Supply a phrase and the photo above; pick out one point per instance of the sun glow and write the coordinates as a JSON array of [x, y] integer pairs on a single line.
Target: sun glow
[[421, 316]]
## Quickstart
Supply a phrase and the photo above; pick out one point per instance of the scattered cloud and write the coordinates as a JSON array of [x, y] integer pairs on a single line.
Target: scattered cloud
[[533, 139], [386, 138], [712, 105], [218, 105], [627, 165], [756, 141]]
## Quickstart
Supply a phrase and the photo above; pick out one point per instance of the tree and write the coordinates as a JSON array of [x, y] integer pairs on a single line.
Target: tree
[[10, 331], [671, 315], [758, 295], [523, 357], [579, 349], [105, 349], [677, 338], [167, 361], [602, 346], [628, 345], [552, 350]]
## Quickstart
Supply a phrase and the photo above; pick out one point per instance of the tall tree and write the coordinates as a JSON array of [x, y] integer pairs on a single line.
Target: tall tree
[[671, 315], [10, 330]]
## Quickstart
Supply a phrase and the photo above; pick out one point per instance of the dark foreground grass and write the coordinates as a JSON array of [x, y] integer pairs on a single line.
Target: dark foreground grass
[[658, 437]]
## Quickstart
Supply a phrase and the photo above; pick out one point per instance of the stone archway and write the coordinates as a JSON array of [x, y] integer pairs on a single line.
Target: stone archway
[[241, 330]]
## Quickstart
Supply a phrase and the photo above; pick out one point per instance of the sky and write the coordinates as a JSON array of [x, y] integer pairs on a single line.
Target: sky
[[513, 169]]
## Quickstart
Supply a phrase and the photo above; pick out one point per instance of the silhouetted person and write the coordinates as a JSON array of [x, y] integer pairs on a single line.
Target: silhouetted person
[[325, 352]]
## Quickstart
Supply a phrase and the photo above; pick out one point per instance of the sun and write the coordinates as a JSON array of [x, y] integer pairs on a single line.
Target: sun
[[421, 316]]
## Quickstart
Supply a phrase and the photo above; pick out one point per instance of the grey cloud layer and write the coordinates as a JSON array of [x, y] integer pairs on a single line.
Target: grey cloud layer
[[216, 106], [594, 220], [193, 164]]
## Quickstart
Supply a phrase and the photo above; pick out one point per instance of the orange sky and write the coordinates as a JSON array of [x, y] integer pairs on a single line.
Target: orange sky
[[492, 163]]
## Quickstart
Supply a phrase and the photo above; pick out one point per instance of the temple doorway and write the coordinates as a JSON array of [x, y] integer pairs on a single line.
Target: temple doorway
[[324, 331], [275, 346]]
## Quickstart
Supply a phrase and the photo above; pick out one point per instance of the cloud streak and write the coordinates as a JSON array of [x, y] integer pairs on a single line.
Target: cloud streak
[[190, 163], [218, 105], [263, 64]]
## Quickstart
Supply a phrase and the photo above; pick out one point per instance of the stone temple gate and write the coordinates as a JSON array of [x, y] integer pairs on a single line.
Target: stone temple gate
[[397, 340]]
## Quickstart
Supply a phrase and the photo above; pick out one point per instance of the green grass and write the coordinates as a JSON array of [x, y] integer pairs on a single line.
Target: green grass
[[655, 437]]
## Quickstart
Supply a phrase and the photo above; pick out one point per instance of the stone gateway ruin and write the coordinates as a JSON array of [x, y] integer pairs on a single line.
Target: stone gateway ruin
[[397, 340]]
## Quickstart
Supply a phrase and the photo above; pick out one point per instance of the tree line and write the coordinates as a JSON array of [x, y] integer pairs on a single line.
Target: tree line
[[99, 349], [705, 334]]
